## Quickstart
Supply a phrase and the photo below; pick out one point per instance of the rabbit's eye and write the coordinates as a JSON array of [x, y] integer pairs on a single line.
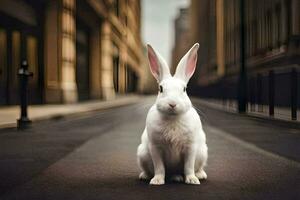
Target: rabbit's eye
[[160, 89], [184, 89]]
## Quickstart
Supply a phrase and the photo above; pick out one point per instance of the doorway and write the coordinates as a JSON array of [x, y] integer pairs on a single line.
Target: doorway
[[82, 61]]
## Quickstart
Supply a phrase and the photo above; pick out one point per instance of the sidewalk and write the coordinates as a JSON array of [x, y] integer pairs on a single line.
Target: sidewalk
[[280, 113], [10, 114]]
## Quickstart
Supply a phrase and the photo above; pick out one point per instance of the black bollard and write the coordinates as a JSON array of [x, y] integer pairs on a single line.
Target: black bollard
[[24, 74]]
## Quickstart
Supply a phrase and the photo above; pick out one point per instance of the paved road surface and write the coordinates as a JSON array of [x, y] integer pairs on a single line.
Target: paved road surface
[[93, 157]]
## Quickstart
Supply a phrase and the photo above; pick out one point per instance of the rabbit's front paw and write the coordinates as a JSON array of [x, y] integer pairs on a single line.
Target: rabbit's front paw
[[192, 179], [157, 180], [201, 174]]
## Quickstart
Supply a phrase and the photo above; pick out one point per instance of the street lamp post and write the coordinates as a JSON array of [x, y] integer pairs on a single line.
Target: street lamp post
[[24, 74], [242, 84]]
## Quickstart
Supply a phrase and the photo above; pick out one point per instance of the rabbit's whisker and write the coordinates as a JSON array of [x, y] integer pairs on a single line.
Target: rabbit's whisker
[[202, 114]]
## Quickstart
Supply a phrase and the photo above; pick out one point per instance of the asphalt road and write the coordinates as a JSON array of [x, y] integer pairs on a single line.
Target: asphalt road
[[93, 156]]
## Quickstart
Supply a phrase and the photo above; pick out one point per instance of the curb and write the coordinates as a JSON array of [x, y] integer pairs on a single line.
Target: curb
[[280, 122]]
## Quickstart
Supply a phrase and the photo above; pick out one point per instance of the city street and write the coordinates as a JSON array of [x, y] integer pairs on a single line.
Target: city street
[[93, 156]]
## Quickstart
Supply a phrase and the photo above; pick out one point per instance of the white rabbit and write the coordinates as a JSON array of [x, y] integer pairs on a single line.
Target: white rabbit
[[173, 141]]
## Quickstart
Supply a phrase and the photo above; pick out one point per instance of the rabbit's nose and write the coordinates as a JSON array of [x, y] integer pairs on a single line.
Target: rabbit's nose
[[172, 105]]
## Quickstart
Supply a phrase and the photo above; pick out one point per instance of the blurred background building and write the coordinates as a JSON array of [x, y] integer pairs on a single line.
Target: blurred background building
[[272, 50], [181, 37], [77, 49]]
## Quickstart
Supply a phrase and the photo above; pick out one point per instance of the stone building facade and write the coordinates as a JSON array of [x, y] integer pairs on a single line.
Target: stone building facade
[[202, 23], [272, 43], [77, 49]]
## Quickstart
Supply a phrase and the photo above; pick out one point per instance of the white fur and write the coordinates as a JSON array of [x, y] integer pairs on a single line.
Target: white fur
[[173, 141]]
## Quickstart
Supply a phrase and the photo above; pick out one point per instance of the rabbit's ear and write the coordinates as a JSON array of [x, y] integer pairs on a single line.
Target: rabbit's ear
[[158, 65], [187, 64]]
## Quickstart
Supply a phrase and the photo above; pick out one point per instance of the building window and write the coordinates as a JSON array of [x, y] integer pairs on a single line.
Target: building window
[[269, 30], [255, 37], [287, 19], [116, 73], [131, 80], [116, 7], [278, 24]]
